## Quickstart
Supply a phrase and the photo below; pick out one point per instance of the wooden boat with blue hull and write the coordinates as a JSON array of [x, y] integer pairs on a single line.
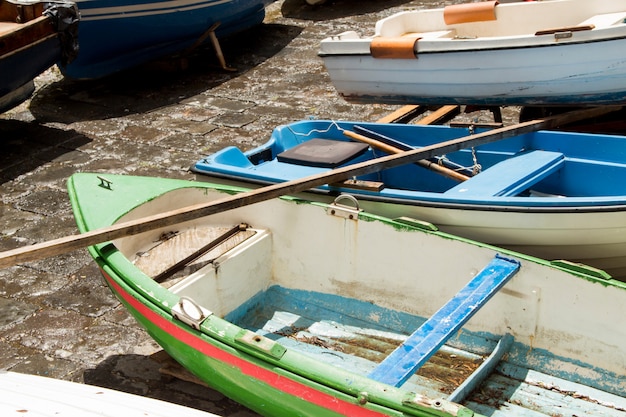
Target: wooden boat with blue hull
[[292, 307], [34, 35], [33, 395], [119, 34], [555, 195], [537, 53]]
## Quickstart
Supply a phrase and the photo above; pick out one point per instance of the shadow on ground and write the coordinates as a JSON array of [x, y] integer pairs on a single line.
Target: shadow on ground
[[138, 374], [26, 146], [160, 83]]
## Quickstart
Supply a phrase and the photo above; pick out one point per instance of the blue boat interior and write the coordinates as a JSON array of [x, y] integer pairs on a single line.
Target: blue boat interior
[[512, 176], [493, 375], [535, 165]]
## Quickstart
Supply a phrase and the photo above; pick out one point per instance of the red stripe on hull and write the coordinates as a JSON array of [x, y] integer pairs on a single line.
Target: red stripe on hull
[[279, 382]]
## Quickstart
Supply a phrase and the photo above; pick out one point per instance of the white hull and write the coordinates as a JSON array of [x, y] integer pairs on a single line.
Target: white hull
[[553, 236], [490, 62], [537, 234], [37, 396]]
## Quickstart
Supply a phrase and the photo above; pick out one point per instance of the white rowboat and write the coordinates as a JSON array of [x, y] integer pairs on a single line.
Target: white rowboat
[[558, 52]]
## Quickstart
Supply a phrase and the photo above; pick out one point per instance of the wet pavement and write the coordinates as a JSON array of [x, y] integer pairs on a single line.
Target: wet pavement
[[57, 318]]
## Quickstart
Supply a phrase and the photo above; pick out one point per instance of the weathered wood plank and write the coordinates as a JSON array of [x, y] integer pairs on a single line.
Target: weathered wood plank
[[70, 243]]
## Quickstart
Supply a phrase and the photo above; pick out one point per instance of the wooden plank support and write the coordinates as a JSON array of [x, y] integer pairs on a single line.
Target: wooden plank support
[[407, 358], [441, 115], [171, 368], [403, 115], [357, 184]]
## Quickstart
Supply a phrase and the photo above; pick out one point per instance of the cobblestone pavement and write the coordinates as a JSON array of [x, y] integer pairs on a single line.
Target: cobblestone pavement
[[56, 316]]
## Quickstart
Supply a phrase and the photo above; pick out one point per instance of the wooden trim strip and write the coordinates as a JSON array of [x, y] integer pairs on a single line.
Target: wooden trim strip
[[564, 29]]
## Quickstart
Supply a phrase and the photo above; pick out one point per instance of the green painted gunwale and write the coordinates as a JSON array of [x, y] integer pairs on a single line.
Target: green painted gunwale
[[94, 208]]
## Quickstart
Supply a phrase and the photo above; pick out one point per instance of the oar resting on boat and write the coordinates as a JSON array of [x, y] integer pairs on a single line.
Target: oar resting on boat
[[69, 243], [536, 192]]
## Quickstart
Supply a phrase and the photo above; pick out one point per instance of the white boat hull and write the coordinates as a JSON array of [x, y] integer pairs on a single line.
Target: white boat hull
[[33, 395], [498, 66], [537, 234]]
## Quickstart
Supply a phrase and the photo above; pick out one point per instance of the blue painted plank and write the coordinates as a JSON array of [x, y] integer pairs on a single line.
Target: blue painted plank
[[511, 176], [430, 336]]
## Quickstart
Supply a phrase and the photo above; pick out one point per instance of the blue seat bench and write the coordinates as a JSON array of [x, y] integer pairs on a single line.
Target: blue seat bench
[[511, 176]]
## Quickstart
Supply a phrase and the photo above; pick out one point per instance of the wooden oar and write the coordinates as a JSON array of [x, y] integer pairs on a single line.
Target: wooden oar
[[70, 243], [425, 163], [403, 114], [402, 146]]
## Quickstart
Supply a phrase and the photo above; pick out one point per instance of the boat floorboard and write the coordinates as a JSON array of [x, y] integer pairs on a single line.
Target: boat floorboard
[[509, 390]]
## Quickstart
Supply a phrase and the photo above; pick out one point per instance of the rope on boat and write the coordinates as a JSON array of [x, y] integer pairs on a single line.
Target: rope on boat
[[441, 160]]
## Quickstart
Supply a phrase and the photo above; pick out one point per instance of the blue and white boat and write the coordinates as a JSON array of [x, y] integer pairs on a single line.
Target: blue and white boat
[[556, 195], [119, 34], [34, 35]]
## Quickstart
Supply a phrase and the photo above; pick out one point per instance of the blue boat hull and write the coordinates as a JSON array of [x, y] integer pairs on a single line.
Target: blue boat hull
[[556, 195], [19, 70], [119, 34], [33, 46]]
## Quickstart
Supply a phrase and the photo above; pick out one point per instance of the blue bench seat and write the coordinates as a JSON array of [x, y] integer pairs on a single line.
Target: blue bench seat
[[511, 176]]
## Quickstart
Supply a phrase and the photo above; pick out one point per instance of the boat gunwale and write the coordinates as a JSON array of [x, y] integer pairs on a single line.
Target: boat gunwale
[[550, 207], [446, 46], [105, 247]]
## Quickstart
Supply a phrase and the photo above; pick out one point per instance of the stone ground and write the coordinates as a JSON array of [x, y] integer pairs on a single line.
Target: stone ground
[[57, 318]]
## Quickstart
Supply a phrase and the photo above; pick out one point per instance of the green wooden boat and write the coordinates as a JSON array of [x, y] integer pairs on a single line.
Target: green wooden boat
[[296, 308]]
